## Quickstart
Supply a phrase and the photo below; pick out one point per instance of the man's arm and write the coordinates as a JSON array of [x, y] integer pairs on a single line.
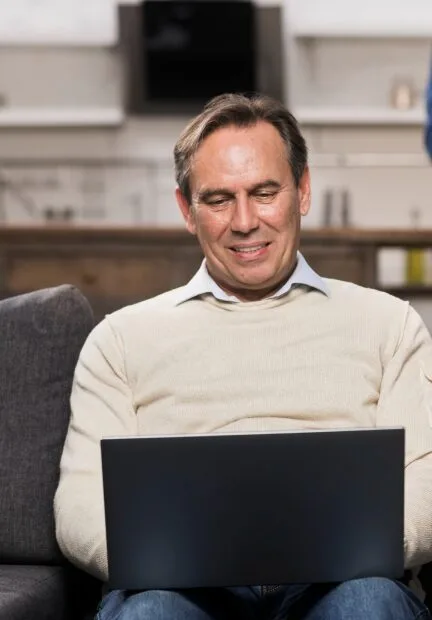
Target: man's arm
[[406, 400], [102, 406]]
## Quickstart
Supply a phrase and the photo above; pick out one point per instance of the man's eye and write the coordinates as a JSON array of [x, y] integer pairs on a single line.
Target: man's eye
[[265, 195], [217, 202]]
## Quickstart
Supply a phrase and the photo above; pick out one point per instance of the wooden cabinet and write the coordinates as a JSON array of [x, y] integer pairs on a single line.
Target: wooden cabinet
[[114, 267]]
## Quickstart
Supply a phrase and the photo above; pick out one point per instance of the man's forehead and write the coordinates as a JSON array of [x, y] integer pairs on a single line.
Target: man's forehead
[[231, 145]]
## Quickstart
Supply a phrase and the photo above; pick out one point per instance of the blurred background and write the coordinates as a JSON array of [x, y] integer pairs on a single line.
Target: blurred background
[[93, 95]]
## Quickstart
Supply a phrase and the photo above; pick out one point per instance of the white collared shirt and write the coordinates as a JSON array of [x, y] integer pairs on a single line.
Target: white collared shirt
[[203, 283]]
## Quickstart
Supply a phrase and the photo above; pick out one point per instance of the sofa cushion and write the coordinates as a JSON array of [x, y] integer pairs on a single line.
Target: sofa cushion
[[32, 592], [41, 335]]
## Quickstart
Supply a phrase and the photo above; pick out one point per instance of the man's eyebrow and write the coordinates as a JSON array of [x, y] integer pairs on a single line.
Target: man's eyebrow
[[267, 184]]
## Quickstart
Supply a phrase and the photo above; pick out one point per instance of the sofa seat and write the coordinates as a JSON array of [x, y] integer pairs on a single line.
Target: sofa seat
[[32, 592]]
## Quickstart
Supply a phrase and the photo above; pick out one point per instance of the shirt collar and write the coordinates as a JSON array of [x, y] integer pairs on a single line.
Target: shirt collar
[[203, 283]]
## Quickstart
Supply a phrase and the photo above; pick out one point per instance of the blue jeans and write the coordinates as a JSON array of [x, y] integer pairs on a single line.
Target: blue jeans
[[361, 599]]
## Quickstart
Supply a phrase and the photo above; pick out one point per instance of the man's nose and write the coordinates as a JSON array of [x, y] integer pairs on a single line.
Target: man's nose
[[245, 216]]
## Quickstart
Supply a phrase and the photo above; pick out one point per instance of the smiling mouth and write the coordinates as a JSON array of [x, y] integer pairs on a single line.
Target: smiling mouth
[[249, 249]]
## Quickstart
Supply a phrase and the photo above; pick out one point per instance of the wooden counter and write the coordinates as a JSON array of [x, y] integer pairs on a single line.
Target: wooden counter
[[117, 266]]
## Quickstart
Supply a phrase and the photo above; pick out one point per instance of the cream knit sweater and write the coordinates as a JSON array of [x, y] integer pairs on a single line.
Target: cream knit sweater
[[357, 358]]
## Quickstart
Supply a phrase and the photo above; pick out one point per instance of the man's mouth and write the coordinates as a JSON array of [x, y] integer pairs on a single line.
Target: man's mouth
[[249, 249]]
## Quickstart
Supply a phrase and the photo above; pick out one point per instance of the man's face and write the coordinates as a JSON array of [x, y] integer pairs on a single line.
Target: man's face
[[246, 209]]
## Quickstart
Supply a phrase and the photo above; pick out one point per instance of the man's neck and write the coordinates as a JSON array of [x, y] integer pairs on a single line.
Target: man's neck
[[251, 294]]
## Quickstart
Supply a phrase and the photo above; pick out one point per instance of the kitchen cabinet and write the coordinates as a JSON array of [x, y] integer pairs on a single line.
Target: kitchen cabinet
[[60, 87], [58, 23], [369, 18], [357, 63]]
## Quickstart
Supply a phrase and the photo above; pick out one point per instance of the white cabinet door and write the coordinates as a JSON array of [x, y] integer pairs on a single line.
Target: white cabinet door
[[60, 87], [366, 18], [58, 22]]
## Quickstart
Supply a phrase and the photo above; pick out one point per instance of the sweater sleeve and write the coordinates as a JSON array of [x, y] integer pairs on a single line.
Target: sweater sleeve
[[101, 406], [406, 400]]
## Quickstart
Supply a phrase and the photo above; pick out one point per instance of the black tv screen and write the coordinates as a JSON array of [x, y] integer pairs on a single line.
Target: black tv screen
[[196, 49]]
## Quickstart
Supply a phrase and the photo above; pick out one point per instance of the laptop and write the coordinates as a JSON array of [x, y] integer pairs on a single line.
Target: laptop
[[253, 509]]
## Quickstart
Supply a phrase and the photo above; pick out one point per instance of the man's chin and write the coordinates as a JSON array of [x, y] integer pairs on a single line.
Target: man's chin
[[241, 282]]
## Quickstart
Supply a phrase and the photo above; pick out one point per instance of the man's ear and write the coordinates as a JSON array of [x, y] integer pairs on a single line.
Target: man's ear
[[186, 210], [304, 192]]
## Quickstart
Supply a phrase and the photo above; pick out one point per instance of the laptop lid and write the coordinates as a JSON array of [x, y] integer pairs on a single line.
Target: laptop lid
[[249, 509]]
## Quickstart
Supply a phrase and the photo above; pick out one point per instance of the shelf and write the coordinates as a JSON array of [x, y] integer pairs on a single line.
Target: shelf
[[378, 238], [314, 115], [61, 117], [369, 160], [408, 291], [319, 31]]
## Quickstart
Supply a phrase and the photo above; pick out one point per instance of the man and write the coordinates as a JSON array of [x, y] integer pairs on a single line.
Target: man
[[256, 341]]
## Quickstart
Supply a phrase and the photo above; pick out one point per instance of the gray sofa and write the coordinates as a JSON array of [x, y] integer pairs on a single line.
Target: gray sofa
[[41, 334]]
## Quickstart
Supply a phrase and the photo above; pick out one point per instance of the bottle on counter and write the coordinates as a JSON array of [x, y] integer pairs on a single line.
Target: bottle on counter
[[415, 268], [345, 209], [327, 219], [336, 208], [403, 93]]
